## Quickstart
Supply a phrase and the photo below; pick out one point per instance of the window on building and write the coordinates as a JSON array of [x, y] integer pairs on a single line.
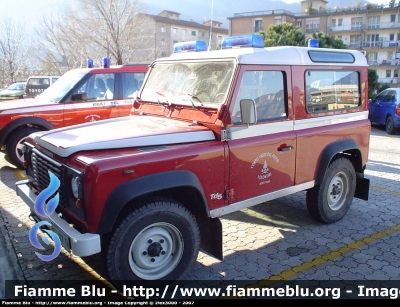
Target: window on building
[[257, 25], [388, 73], [392, 18], [374, 22], [184, 32], [277, 21], [202, 34], [391, 36], [340, 22], [174, 41], [219, 38], [163, 42], [398, 36], [174, 30], [299, 24], [162, 29], [395, 73], [334, 22], [194, 33]]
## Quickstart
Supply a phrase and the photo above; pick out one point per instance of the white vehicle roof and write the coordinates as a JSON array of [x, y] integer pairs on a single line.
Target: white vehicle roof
[[284, 55]]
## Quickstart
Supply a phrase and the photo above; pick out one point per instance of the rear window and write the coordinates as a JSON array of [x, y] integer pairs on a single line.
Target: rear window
[[39, 81]]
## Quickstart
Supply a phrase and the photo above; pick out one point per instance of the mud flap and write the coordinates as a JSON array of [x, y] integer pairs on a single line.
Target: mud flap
[[362, 188], [211, 236]]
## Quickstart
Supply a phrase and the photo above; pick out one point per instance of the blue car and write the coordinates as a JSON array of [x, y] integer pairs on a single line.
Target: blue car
[[384, 109]]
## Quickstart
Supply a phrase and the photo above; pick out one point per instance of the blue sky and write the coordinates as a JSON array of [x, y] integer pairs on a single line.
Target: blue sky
[[29, 12]]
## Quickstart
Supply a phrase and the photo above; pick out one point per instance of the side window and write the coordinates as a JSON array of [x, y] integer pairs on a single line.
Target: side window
[[98, 87], [131, 82], [267, 90], [389, 96], [379, 96], [330, 90]]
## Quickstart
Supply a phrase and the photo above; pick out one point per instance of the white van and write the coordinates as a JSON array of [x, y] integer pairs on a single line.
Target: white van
[[35, 85]]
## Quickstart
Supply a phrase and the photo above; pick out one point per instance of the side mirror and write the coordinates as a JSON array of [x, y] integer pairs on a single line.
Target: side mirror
[[79, 97], [248, 111]]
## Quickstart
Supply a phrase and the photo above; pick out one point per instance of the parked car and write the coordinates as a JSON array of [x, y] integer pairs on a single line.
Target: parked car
[[14, 91], [79, 96], [37, 84], [384, 109]]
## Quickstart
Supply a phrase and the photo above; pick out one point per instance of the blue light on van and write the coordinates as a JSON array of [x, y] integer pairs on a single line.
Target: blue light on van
[[313, 42], [190, 46], [106, 62], [248, 40], [90, 63]]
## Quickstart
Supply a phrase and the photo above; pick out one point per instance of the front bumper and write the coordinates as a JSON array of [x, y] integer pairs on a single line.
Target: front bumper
[[81, 244]]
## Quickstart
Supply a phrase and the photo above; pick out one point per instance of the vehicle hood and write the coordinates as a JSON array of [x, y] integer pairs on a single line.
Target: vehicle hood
[[15, 106], [122, 132]]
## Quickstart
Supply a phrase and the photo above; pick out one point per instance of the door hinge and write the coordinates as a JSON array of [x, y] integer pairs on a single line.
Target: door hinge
[[229, 194], [225, 135]]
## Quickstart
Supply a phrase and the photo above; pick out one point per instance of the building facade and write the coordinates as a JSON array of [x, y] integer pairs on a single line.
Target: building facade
[[160, 32], [372, 29]]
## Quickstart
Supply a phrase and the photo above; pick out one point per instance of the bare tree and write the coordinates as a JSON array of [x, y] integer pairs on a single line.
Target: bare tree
[[95, 29], [13, 50]]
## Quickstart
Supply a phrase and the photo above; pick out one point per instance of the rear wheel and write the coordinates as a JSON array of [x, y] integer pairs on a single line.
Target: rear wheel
[[329, 201], [390, 128], [158, 241], [14, 146]]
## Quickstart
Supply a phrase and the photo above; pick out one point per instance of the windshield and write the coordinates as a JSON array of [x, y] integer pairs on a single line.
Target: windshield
[[16, 86], [194, 83], [62, 86]]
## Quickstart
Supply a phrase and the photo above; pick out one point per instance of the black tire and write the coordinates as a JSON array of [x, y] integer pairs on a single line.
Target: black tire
[[159, 242], [14, 146], [390, 128], [329, 201]]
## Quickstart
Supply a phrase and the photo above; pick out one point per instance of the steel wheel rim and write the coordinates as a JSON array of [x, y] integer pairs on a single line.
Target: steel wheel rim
[[19, 153], [156, 251], [338, 190]]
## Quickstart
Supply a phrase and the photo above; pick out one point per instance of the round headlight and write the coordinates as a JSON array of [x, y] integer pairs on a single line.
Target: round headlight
[[76, 186]]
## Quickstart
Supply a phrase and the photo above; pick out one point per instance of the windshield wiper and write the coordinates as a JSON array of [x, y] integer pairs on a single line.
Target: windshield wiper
[[193, 97], [164, 103]]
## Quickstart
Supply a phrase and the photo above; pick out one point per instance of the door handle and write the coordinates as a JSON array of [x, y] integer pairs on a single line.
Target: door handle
[[285, 148]]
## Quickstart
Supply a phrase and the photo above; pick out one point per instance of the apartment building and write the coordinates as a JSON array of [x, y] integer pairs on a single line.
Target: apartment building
[[160, 32], [372, 29]]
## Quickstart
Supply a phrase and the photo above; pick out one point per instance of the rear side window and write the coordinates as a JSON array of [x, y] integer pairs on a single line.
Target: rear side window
[[330, 90], [39, 81]]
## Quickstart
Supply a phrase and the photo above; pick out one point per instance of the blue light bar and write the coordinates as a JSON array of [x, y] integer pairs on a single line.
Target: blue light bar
[[248, 40], [190, 46], [90, 63], [106, 62], [313, 42]]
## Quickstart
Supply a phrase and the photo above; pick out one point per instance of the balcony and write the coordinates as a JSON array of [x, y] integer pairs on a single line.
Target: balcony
[[355, 27], [384, 25]]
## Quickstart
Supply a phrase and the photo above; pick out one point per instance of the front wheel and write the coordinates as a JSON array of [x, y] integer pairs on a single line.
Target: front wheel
[[329, 201], [390, 128], [158, 241], [14, 146]]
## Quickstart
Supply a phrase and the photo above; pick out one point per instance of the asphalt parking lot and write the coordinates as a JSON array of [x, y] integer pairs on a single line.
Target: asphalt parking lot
[[277, 240]]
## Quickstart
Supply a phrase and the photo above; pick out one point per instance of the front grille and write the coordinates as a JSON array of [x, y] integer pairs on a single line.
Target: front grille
[[41, 165]]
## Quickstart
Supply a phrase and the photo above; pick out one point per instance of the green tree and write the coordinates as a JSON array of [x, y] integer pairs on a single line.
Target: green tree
[[373, 84], [284, 34], [329, 42]]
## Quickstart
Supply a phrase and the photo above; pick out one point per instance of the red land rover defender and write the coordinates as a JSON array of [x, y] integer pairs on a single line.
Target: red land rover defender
[[210, 133], [79, 96]]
